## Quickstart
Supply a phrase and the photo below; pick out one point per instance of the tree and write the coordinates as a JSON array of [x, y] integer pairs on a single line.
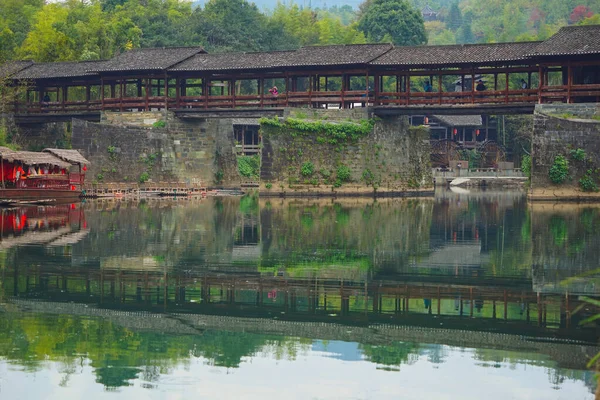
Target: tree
[[579, 13], [454, 17], [396, 18]]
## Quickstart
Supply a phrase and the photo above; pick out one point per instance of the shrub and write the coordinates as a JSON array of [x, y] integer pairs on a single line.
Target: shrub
[[587, 183], [559, 172], [343, 173], [144, 177], [526, 165], [578, 155], [269, 185], [325, 173], [159, 124], [307, 169]]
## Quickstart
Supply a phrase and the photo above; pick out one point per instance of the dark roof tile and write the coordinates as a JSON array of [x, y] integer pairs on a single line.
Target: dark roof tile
[[235, 61], [12, 67], [160, 58], [345, 54], [67, 69], [457, 54], [571, 40]]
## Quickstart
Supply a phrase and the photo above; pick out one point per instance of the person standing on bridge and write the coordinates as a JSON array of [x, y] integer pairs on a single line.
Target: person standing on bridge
[[427, 86], [480, 86]]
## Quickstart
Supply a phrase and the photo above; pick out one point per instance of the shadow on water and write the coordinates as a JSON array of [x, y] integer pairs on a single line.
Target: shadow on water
[[140, 286]]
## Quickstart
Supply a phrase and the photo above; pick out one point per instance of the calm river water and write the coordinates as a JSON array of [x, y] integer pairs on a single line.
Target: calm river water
[[462, 296]]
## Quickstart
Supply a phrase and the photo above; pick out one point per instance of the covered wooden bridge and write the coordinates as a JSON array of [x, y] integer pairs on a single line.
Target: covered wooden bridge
[[503, 76]]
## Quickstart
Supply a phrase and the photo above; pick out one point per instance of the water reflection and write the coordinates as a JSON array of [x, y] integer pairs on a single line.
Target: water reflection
[[136, 291]]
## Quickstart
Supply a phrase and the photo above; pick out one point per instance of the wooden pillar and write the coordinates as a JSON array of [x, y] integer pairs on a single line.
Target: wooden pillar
[[121, 90], [540, 84], [166, 94], [178, 87], [441, 91], [495, 82], [87, 96], [147, 96], [376, 88], [206, 90], [407, 84], [65, 91], [261, 90], [439, 301], [506, 89], [232, 91], [139, 88], [344, 88], [472, 85], [569, 81]]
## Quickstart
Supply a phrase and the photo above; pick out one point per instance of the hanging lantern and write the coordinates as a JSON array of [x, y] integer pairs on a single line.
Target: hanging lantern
[[85, 167], [455, 131], [477, 132]]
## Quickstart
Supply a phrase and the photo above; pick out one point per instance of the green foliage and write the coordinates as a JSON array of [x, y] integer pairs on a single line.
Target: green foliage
[[343, 173], [307, 169], [99, 177], [526, 165], [159, 124], [588, 183], [269, 185], [326, 132], [325, 173], [249, 166], [370, 179], [144, 177], [578, 154], [219, 177], [559, 171], [392, 20]]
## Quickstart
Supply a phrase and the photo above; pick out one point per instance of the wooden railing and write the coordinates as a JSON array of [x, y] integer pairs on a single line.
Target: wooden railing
[[342, 99]]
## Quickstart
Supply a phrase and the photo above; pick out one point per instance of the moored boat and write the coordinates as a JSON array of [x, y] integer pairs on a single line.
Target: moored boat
[[49, 174]]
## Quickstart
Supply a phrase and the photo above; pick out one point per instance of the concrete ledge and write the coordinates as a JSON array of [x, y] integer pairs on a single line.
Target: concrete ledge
[[572, 194], [344, 191]]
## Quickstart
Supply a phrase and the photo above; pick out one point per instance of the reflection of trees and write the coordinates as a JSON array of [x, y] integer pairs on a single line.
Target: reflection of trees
[[118, 354], [396, 354]]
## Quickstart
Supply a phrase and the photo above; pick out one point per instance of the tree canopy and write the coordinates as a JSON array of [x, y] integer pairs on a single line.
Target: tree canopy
[[97, 29]]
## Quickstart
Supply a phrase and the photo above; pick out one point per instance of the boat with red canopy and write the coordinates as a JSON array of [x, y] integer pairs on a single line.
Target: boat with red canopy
[[50, 174]]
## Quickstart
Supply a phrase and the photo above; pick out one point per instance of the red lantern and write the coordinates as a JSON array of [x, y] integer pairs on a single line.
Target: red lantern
[[477, 132], [455, 131], [85, 168], [72, 187]]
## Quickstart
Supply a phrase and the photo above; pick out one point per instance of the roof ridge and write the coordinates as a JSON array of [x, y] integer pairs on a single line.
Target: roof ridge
[[347, 45], [163, 48]]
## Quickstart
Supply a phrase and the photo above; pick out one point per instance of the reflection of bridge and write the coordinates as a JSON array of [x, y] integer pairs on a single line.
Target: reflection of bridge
[[514, 77], [457, 303], [567, 355]]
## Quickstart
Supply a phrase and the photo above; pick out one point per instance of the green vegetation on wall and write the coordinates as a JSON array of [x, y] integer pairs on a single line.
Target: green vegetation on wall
[[249, 166]]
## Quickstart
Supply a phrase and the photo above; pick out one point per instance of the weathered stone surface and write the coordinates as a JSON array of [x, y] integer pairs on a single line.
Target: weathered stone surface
[[395, 155], [554, 136]]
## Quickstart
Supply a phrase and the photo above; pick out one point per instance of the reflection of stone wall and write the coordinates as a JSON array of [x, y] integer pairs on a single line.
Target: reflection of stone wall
[[352, 233], [566, 242], [553, 136]]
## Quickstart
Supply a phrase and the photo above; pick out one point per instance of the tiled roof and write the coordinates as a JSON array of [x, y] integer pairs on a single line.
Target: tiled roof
[[459, 120], [12, 67], [571, 40], [68, 69], [159, 58], [235, 61], [344, 54], [304, 57], [457, 54]]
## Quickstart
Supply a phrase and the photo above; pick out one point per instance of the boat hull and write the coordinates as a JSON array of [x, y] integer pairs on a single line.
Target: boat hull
[[38, 194]]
